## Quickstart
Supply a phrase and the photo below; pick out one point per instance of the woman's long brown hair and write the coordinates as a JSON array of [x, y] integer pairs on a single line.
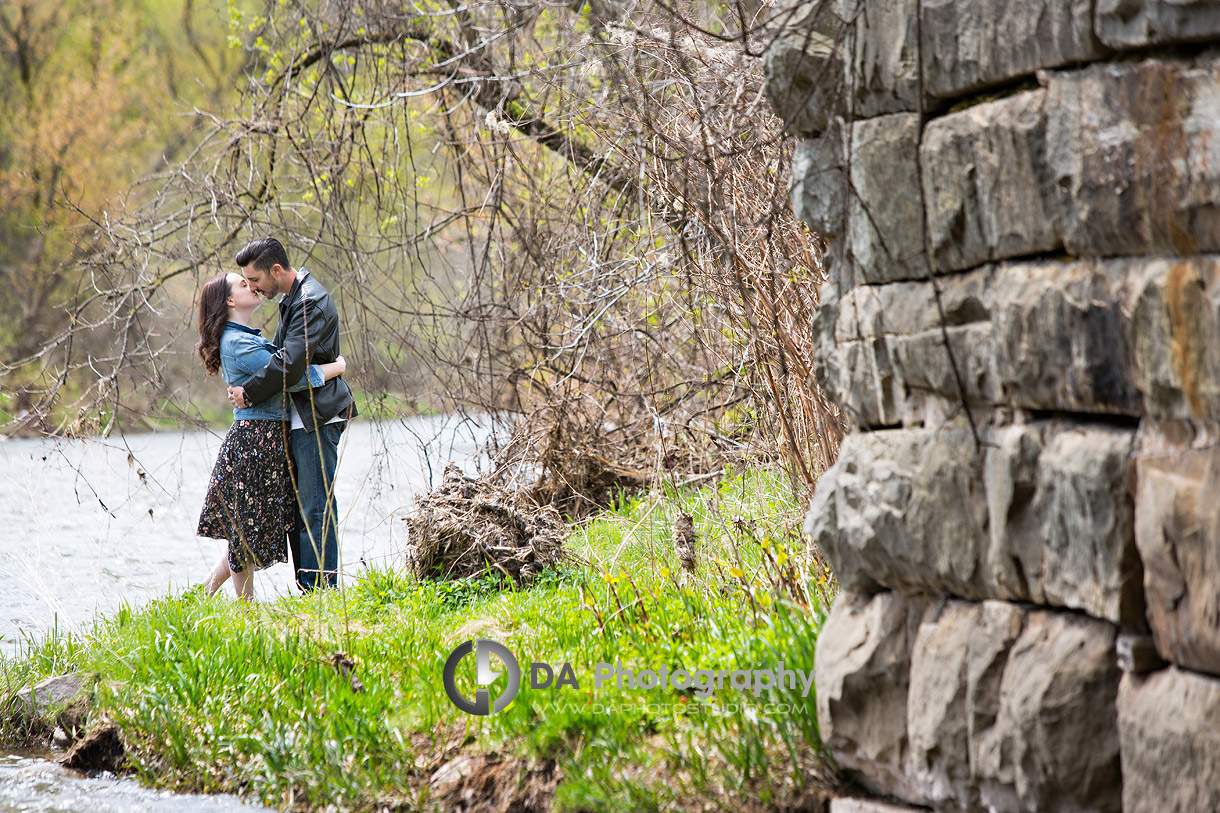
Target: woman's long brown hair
[[213, 313]]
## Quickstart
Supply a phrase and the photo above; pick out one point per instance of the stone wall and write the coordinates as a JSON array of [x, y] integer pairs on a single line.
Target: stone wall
[[1022, 204]]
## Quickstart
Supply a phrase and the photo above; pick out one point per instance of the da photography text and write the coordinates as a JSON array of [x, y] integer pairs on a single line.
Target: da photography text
[[702, 682]]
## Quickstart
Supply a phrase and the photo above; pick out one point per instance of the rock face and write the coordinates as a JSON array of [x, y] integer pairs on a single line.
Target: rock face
[[1057, 692], [1050, 487], [1021, 200], [1141, 177], [1124, 337], [884, 218], [921, 510], [892, 529], [862, 691], [54, 691], [1178, 534], [855, 805], [1176, 365], [819, 195], [1063, 339], [970, 46], [987, 185], [997, 701], [1169, 732], [1131, 24], [883, 64], [804, 67]]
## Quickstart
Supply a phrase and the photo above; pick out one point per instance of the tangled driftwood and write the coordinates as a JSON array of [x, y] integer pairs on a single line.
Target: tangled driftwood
[[576, 463], [472, 527]]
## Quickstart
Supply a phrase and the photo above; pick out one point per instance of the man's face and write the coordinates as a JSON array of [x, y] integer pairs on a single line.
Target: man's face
[[265, 282]]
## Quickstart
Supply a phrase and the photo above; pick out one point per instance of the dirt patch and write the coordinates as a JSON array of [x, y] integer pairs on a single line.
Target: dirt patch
[[471, 527], [489, 783], [435, 748], [73, 721], [101, 749]]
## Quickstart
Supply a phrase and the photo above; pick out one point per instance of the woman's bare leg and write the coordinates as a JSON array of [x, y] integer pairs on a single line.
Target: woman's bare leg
[[243, 583], [219, 574]]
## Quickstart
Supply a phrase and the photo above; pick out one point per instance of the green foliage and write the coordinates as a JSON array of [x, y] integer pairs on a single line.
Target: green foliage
[[96, 94], [217, 695]]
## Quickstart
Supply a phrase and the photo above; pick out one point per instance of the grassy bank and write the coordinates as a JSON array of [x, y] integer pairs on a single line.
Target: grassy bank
[[212, 695]]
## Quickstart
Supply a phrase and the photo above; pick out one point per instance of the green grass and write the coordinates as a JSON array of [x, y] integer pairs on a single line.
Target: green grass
[[213, 695]]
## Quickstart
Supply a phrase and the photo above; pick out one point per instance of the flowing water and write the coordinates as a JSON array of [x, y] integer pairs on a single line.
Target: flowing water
[[93, 524], [31, 783]]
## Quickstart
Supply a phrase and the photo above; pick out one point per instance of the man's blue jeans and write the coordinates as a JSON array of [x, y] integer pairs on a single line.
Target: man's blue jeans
[[315, 551]]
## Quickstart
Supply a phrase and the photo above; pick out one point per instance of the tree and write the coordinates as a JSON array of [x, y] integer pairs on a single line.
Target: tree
[[93, 97], [570, 211]]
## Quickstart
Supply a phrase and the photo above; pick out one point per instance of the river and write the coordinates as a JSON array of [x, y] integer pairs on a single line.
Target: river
[[96, 523]]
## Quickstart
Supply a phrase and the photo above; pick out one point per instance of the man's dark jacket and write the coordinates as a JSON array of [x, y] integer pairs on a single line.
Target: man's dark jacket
[[308, 333]]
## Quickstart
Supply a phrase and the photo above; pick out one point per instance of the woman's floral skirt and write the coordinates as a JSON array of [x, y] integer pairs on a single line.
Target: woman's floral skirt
[[251, 501]]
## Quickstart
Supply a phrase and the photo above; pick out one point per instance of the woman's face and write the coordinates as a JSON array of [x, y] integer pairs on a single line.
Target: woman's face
[[241, 295]]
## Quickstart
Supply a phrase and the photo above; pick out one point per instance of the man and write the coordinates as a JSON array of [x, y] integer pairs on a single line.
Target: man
[[308, 333]]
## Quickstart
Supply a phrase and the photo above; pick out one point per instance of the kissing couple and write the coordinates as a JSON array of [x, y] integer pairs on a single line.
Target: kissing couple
[[272, 492]]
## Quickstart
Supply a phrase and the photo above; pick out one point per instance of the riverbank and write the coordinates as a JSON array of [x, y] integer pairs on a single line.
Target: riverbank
[[338, 699]]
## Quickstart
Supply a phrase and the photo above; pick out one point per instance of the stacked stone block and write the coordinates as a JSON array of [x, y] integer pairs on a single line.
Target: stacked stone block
[[1021, 200]]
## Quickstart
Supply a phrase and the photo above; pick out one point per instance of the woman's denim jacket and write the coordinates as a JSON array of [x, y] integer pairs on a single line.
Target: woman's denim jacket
[[243, 352]]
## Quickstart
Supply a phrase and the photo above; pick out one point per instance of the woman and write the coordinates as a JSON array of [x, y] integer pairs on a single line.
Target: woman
[[250, 501]]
